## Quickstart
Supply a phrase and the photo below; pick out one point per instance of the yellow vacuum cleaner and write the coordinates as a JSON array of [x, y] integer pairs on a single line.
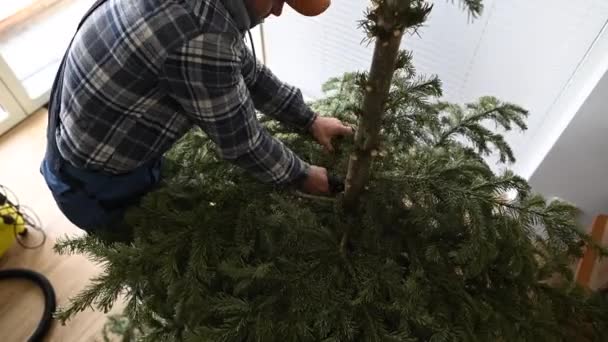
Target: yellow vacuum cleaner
[[15, 223], [12, 225]]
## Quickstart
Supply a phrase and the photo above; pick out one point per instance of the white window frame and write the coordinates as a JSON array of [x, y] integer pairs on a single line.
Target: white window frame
[[28, 104]]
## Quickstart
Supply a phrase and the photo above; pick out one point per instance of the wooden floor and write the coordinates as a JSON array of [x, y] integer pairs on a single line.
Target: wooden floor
[[21, 151]]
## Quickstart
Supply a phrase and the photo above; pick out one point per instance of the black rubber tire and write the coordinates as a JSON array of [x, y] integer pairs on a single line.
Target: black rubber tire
[[50, 302]]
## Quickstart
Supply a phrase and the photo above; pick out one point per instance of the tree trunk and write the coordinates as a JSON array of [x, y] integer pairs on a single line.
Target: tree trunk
[[367, 138]]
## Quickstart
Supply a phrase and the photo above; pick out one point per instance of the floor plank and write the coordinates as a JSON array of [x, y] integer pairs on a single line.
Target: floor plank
[[21, 304]]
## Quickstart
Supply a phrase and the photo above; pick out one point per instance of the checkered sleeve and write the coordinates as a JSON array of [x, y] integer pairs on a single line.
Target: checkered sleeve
[[274, 98], [204, 76]]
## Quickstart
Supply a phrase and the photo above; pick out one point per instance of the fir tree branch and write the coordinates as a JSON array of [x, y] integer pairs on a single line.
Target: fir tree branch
[[461, 126], [433, 251], [469, 124], [371, 324], [414, 94], [474, 7], [344, 243], [315, 198]]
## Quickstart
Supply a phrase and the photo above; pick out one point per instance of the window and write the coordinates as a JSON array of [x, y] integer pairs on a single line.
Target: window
[[3, 113], [16, 11], [33, 37]]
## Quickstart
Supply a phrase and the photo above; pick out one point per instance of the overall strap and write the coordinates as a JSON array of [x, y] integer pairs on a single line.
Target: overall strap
[[56, 90]]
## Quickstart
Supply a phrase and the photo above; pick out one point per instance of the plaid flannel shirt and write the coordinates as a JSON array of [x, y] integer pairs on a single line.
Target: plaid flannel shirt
[[141, 73]]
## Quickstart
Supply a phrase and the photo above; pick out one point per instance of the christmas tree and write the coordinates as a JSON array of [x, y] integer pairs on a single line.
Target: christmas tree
[[427, 243]]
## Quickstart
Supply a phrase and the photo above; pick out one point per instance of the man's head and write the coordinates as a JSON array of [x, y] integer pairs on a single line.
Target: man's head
[[264, 8]]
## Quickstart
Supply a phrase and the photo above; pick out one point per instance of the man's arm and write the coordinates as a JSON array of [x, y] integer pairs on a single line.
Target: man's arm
[[205, 78], [274, 98], [286, 104]]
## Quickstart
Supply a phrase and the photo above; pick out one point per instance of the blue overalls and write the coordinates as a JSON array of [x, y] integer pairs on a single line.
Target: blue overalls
[[91, 200]]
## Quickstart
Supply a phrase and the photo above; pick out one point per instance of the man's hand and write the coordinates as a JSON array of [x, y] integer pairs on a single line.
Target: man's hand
[[324, 129], [317, 181]]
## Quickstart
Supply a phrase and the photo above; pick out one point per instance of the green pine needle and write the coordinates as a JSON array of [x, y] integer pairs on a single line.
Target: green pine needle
[[438, 250]]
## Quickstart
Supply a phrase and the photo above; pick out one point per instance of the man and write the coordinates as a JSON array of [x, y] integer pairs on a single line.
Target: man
[[139, 74]]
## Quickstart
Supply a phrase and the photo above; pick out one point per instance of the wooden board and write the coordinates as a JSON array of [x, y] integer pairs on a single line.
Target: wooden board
[[592, 271]]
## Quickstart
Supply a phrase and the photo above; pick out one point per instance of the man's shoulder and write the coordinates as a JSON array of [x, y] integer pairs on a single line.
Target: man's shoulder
[[200, 16], [211, 16], [151, 28], [186, 17], [168, 22]]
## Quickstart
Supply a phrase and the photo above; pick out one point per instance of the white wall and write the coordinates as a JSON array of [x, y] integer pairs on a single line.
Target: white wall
[[523, 51], [576, 168], [528, 54]]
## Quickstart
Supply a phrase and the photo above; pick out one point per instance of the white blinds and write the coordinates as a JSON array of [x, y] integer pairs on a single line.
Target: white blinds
[[306, 51], [523, 51], [331, 44]]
